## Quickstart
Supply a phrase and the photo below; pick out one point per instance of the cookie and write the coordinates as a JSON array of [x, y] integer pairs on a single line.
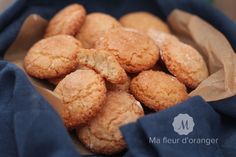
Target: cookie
[[158, 90], [68, 21], [161, 38], [95, 24], [134, 51], [56, 80], [104, 63], [184, 62], [122, 87], [102, 135], [143, 21], [83, 93], [52, 57]]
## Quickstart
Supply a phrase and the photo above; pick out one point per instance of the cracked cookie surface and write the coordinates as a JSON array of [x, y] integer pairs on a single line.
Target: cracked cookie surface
[[104, 63], [56, 80], [52, 57], [161, 38], [158, 90], [67, 21], [102, 134], [83, 93], [134, 51], [184, 62], [143, 21], [95, 24]]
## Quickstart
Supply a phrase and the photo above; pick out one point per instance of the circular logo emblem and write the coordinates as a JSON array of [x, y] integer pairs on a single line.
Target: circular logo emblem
[[183, 124]]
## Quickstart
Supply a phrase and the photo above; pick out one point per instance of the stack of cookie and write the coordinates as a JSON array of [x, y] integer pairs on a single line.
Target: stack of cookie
[[103, 68]]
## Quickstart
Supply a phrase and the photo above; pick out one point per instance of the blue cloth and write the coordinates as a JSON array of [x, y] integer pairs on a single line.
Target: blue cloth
[[30, 127]]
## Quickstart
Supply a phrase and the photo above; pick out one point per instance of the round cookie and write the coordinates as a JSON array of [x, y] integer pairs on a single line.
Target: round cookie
[[52, 57], [143, 21], [134, 51], [94, 25], [82, 93], [184, 62], [158, 90], [102, 135], [68, 21]]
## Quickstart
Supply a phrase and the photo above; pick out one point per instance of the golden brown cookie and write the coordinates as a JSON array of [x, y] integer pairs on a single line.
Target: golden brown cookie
[[56, 80], [161, 38], [68, 21], [143, 21], [95, 24], [52, 57], [134, 51], [184, 62], [104, 63], [102, 135], [158, 90], [82, 93], [122, 87]]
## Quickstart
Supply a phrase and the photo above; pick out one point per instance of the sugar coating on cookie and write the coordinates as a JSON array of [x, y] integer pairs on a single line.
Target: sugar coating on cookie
[[158, 90], [144, 21], [67, 21], [161, 38], [104, 63], [56, 80], [102, 135], [83, 93], [95, 24], [184, 62], [134, 51], [52, 57], [122, 86]]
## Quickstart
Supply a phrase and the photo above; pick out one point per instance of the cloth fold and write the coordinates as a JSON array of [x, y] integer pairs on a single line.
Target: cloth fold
[[158, 132], [29, 126]]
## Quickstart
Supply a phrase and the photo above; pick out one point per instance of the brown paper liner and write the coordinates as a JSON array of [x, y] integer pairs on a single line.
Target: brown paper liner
[[216, 50]]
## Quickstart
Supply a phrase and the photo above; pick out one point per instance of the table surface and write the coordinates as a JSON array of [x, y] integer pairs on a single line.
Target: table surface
[[227, 6]]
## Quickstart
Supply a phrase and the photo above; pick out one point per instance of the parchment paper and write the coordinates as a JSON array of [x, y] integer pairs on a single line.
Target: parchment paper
[[214, 47], [216, 50]]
